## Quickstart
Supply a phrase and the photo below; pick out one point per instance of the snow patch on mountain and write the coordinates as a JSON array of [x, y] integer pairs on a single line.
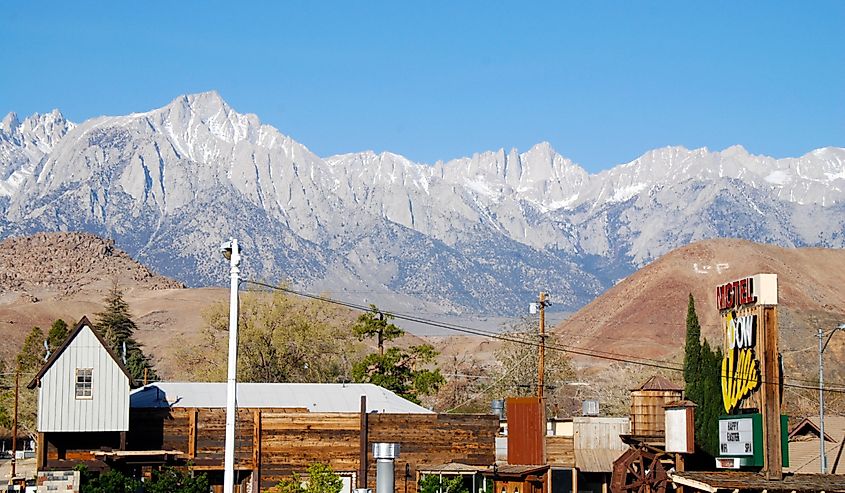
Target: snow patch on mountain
[[480, 233]]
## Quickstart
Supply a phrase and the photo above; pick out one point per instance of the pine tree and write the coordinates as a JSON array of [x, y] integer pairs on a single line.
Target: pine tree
[[32, 354], [115, 323], [375, 323], [57, 335], [116, 326]]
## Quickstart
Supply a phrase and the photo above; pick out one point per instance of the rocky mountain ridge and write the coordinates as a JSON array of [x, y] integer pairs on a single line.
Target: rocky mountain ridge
[[65, 263], [478, 234]]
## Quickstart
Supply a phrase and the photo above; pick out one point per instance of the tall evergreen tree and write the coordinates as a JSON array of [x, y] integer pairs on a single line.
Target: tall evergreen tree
[[31, 356], [692, 352], [375, 323], [116, 326], [115, 323], [702, 384], [57, 335]]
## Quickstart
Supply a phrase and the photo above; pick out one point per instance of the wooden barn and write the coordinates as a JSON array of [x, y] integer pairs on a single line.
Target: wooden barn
[[281, 428]]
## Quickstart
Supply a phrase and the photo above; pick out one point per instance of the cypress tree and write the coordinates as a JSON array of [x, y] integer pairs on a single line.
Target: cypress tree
[[702, 383], [692, 354]]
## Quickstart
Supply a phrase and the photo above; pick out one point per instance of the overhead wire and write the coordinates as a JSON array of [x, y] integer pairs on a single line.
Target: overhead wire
[[604, 355]]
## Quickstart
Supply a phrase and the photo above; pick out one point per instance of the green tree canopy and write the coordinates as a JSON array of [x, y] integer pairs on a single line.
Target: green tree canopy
[[166, 480], [403, 371], [374, 323], [57, 335], [702, 368], [32, 353], [115, 322], [116, 326], [280, 339], [321, 479], [434, 483]]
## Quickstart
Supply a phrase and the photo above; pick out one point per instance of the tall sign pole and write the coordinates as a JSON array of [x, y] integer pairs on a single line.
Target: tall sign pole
[[770, 398]]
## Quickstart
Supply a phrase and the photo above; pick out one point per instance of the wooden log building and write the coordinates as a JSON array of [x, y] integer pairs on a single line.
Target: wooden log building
[[281, 428]]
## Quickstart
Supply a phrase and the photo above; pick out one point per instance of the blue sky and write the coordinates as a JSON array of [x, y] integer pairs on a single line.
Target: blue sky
[[602, 81]]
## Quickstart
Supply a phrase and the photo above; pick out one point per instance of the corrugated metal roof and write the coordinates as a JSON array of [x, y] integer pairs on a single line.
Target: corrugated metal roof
[[660, 383], [804, 454], [597, 459], [804, 457], [452, 467], [316, 397], [834, 427], [519, 470]]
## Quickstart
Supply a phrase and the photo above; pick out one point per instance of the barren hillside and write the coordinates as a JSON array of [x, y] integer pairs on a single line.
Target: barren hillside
[[644, 315]]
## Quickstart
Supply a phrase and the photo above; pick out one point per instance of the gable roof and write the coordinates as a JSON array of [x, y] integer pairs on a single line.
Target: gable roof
[[834, 428], [313, 397], [83, 322], [804, 455], [658, 382]]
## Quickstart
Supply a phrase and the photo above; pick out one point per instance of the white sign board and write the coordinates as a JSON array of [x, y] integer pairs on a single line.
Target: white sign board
[[736, 437], [677, 429]]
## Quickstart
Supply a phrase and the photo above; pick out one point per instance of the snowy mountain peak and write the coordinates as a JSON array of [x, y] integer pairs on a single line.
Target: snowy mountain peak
[[478, 232], [10, 123], [735, 150]]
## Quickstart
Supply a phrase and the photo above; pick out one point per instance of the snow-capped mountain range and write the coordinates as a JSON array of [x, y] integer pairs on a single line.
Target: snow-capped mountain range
[[479, 234]]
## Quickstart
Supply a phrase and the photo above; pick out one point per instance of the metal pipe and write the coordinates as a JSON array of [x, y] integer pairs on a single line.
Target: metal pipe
[[385, 454], [384, 476], [231, 385]]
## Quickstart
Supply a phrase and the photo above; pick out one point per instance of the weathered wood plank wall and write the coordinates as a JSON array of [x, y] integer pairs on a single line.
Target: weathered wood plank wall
[[291, 440]]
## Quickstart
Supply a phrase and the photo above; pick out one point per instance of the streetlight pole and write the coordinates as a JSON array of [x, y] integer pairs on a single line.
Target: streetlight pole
[[822, 347], [232, 253]]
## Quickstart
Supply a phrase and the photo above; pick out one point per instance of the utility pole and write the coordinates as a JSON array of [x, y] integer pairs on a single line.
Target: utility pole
[[15, 421], [822, 457], [822, 347], [541, 360]]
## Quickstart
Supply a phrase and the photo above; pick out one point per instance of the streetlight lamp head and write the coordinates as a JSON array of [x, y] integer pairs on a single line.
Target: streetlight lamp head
[[226, 249], [841, 326], [232, 251]]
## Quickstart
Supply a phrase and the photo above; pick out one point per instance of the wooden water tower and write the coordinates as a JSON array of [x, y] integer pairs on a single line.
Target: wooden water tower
[[647, 406]]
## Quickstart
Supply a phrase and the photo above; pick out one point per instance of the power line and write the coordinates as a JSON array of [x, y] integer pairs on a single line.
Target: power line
[[479, 332], [604, 355]]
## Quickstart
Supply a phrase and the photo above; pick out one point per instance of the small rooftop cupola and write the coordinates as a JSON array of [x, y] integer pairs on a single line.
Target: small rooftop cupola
[[83, 386]]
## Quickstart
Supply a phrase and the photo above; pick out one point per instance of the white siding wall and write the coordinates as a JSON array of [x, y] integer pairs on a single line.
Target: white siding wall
[[108, 408]]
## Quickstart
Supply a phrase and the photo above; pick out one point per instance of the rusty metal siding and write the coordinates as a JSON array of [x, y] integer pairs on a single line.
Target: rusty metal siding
[[108, 408], [526, 431]]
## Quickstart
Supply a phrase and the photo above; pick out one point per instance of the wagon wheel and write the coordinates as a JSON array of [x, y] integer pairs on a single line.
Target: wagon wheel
[[639, 470]]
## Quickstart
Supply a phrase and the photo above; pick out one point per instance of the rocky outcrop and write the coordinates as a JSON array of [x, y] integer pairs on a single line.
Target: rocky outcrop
[[68, 262]]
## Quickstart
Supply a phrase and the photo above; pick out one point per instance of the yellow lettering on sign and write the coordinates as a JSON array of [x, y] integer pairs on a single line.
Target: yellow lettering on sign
[[740, 376]]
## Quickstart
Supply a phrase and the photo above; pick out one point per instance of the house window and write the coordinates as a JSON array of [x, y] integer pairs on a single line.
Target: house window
[[83, 383]]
